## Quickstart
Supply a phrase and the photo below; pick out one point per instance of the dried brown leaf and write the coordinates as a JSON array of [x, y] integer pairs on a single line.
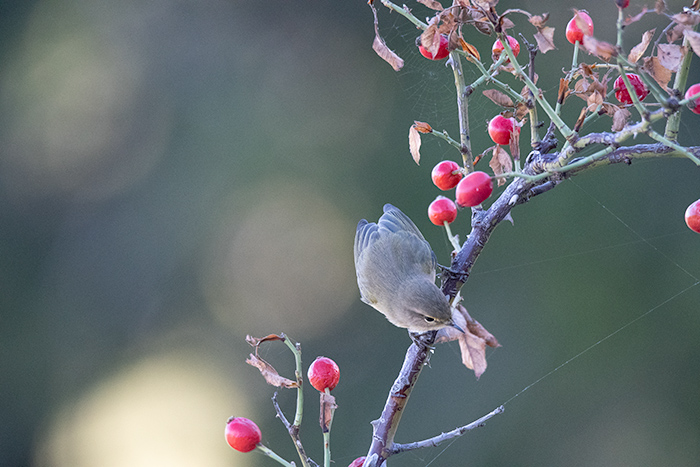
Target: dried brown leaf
[[686, 19], [499, 98], [328, 406], [414, 143], [693, 39], [422, 127], [564, 90], [620, 119], [432, 4], [388, 55], [656, 70], [539, 21], [601, 49], [470, 49], [256, 341], [545, 39], [430, 39], [472, 342], [593, 101], [270, 374], [500, 163], [671, 55], [521, 110], [633, 19], [639, 49], [580, 119], [485, 4]]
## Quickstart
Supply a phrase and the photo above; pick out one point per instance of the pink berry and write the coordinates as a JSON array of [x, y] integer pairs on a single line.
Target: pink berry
[[574, 33], [242, 434], [498, 47], [357, 462], [623, 95], [622, 3], [474, 189], [441, 53], [693, 90], [442, 210], [446, 175], [324, 373], [692, 216], [501, 128]]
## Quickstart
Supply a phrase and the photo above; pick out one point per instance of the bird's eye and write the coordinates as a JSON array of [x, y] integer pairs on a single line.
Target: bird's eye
[[429, 319]]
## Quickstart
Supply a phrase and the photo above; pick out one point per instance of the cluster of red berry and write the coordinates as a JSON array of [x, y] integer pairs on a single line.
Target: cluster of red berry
[[476, 187]]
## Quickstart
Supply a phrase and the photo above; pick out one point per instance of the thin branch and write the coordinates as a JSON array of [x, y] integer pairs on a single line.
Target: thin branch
[[436, 440]]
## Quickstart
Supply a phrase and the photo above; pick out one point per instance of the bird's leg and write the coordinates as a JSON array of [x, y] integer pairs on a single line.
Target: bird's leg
[[422, 339]]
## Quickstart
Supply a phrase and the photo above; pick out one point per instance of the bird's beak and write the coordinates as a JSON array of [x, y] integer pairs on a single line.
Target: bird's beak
[[457, 327]]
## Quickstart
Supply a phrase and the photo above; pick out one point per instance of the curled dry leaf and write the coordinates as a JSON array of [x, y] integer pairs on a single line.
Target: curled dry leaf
[[414, 143], [545, 39], [430, 39], [472, 342], [671, 55], [601, 49], [422, 127], [656, 70], [499, 98], [620, 119], [500, 163], [639, 49], [660, 6], [328, 406], [270, 374], [593, 101], [694, 40], [380, 47], [539, 21], [564, 90], [432, 4], [468, 48], [256, 341], [633, 19]]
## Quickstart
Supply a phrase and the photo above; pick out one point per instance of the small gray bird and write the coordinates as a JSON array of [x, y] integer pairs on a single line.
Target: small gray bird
[[395, 269]]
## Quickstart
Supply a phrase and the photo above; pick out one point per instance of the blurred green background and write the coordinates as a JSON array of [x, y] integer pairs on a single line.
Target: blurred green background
[[177, 174]]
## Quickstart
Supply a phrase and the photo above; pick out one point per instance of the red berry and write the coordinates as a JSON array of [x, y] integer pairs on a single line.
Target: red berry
[[442, 51], [574, 32], [474, 189], [446, 175], [623, 95], [693, 90], [692, 216], [623, 3], [501, 129], [324, 373], [498, 47], [442, 210], [242, 434]]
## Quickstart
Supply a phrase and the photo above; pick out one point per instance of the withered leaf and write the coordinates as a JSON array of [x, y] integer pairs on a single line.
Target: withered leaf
[[472, 342], [564, 90], [633, 19], [430, 39], [499, 98], [256, 341], [500, 163], [580, 119], [422, 127], [593, 101], [380, 47], [386, 53], [601, 49], [639, 49], [514, 145], [539, 21], [686, 19], [414, 143], [671, 55], [328, 406], [521, 110], [620, 119], [545, 39], [270, 374], [470, 49], [693, 39], [485, 4], [656, 70], [432, 4]]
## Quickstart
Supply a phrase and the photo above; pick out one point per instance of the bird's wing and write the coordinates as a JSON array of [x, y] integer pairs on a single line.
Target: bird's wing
[[395, 221]]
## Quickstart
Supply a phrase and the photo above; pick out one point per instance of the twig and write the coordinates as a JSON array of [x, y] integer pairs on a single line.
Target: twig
[[435, 440]]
